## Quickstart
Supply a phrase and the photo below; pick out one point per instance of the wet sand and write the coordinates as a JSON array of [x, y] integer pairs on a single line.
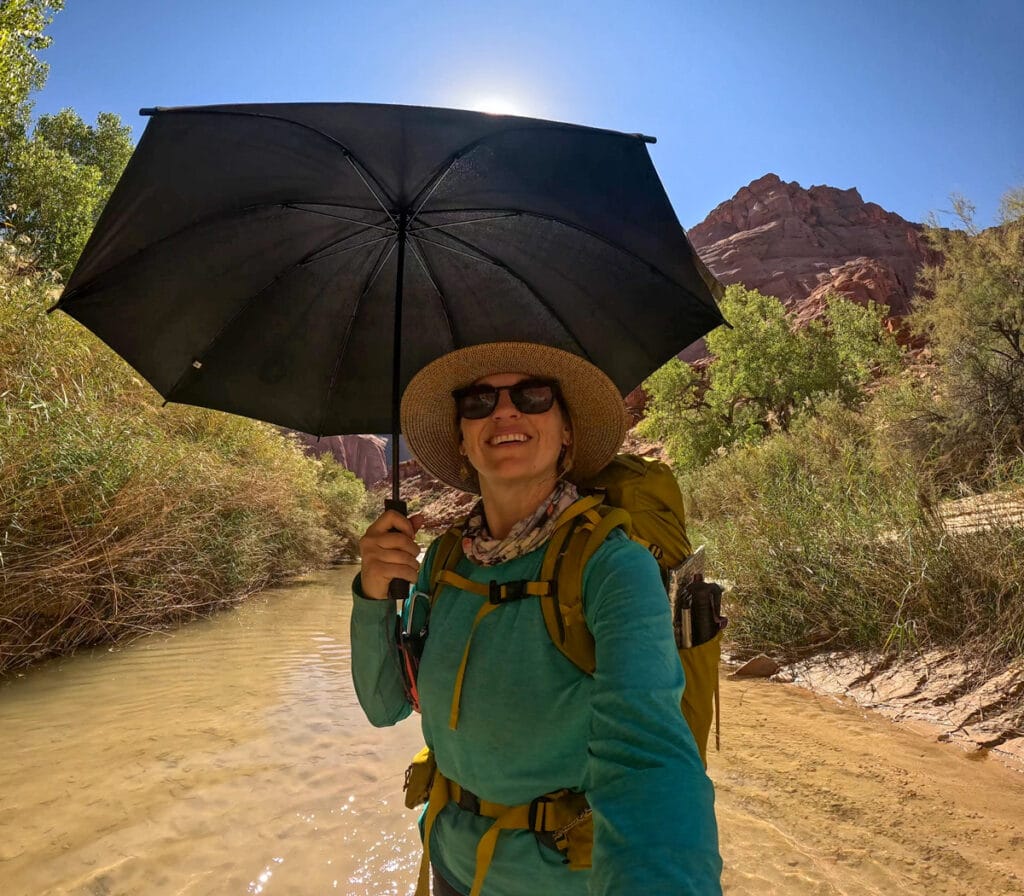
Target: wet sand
[[818, 797], [231, 757]]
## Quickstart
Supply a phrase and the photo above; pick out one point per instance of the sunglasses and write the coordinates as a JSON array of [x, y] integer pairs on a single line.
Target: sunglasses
[[533, 396]]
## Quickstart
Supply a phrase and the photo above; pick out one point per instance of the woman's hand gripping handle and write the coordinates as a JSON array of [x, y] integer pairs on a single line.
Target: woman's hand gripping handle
[[389, 551]]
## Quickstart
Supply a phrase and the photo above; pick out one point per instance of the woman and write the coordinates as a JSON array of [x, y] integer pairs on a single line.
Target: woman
[[519, 424]]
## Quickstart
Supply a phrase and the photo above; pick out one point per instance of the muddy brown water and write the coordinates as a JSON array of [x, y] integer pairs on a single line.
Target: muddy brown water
[[231, 757]]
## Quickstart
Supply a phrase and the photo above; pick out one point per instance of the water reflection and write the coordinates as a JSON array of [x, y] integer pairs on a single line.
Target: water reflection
[[230, 756]]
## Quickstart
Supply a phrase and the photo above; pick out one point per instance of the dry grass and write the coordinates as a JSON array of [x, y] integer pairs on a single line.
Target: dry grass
[[833, 542], [118, 517]]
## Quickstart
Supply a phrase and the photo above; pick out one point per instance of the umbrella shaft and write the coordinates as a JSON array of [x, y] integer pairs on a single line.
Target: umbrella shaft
[[396, 356]]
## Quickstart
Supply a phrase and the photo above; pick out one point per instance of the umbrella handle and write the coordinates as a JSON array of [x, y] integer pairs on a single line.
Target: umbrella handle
[[398, 589]]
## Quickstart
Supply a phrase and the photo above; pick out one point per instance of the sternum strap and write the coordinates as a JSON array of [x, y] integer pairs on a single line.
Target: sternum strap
[[497, 594]]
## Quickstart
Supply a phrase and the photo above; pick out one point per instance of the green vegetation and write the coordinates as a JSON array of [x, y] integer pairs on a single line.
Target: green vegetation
[[974, 430], [56, 176], [816, 467], [769, 373], [117, 515]]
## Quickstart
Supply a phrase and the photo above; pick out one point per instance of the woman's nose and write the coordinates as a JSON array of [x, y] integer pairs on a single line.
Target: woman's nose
[[504, 407]]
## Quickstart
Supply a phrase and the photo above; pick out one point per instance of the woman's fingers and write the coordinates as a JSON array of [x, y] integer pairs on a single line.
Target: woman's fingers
[[391, 520], [388, 552]]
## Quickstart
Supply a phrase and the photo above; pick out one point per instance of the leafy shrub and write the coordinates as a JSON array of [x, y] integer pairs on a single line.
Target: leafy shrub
[[765, 373], [831, 538], [972, 429]]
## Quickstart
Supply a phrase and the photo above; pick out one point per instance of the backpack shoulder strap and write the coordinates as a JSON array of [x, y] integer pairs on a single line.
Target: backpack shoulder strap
[[586, 524], [446, 559]]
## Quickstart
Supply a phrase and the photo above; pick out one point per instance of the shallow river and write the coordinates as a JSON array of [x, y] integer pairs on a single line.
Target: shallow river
[[231, 757]]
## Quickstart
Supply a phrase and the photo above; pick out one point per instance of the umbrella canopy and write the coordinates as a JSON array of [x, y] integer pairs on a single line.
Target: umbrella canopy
[[264, 259]]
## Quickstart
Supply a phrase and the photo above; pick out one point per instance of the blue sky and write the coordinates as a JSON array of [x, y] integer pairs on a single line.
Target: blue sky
[[906, 100]]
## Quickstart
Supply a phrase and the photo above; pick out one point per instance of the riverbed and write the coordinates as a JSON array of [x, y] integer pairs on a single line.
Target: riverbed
[[231, 757]]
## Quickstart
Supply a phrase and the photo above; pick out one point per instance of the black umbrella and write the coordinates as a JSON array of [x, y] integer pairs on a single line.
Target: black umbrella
[[298, 263]]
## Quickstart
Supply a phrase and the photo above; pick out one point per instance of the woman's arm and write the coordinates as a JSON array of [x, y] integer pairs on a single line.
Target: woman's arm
[[376, 669], [654, 821], [376, 672]]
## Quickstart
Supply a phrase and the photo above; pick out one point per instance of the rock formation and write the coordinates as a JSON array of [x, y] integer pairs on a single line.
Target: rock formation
[[799, 244], [363, 455]]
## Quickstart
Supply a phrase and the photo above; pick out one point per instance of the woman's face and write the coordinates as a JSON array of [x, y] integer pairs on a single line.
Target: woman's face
[[511, 447]]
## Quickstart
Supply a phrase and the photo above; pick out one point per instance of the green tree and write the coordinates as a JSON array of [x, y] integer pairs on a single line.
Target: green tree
[[60, 179], [21, 37], [55, 178], [765, 372], [974, 322]]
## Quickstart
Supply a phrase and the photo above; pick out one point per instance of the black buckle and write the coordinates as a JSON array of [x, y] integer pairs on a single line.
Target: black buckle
[[503, 593], [469, 801]]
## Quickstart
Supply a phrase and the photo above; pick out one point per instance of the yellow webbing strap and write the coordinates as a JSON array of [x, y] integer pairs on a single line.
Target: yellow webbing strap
[[446, 557], [438, 799], [718, 720], [453, 717], [447, 577], [556, 812], [516, 817]]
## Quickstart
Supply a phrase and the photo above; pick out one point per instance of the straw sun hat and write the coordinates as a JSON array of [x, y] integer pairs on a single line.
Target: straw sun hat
[[596, 410]]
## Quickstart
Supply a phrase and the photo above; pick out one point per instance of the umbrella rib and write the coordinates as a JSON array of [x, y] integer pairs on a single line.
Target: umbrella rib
[[438, 178], [316, 211], [477, 255], [446, 166], [490, 259], [385, 254], [375, 273], [222, 215], [421, 258], [238, 313], [463, 223], [334, 250], [354, 160], [580, 229], [356, 167]]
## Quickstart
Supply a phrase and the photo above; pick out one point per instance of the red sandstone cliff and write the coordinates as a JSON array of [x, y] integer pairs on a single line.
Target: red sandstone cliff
[[798, 244], [363, 455]]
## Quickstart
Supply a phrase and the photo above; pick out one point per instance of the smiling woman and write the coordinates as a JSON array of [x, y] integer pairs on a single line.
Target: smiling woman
[[517, 449], [546, 778]]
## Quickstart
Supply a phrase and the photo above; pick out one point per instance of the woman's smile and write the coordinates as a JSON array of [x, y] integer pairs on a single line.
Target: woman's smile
[[508, 438]]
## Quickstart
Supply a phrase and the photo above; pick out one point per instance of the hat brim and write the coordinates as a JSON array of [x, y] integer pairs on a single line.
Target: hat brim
[[429, 422]]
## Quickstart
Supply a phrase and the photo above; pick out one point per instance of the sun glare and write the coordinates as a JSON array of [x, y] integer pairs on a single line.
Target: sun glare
[[496, 105]]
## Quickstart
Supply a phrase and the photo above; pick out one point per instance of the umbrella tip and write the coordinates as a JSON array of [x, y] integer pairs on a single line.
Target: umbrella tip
[[646, 138], [149, 110]]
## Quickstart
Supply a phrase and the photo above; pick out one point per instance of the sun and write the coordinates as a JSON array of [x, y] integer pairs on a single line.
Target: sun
[[496, 105]]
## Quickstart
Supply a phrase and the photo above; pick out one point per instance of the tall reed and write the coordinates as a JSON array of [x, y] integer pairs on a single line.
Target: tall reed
[[832, 538], [118, 516]]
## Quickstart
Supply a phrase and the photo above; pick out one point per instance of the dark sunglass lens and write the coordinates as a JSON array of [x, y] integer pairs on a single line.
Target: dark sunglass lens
[[532, 397], [476, 402]]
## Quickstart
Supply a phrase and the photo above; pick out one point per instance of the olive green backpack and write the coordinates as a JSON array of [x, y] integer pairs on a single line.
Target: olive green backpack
[[640, 496]]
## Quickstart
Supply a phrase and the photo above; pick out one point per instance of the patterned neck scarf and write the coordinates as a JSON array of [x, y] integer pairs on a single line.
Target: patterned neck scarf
[[526, 535]]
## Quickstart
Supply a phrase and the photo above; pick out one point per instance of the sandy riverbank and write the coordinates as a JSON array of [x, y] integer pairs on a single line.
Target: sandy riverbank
[[941, 694]]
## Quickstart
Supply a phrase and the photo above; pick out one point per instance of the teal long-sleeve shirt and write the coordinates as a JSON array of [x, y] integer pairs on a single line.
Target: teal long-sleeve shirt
[[531, 723]]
